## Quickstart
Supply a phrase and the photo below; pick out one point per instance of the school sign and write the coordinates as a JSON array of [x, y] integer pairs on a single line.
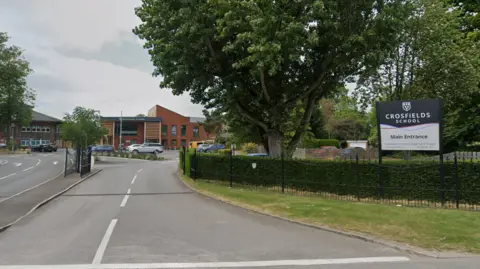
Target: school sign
[[410, 125]]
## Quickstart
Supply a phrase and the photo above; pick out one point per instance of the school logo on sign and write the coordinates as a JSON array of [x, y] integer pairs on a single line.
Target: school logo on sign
[[406, 106]]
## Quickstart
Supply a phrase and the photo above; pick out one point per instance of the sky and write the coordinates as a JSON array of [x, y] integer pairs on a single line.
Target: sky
[[83, 53]]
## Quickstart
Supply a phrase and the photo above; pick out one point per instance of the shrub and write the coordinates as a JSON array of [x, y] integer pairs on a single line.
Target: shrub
[[224, 152], [250, 147], [419, 181]]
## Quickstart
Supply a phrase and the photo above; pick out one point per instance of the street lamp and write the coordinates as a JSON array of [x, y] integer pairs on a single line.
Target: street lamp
[[12, 141]]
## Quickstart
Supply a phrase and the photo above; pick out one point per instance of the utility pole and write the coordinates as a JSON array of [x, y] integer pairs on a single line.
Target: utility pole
[[121, 123]]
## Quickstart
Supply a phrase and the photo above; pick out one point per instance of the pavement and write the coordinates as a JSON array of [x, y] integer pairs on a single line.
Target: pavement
[[136, 214]]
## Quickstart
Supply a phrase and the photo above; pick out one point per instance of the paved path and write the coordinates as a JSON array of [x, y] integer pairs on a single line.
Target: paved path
[[135, 214], [21, 172]]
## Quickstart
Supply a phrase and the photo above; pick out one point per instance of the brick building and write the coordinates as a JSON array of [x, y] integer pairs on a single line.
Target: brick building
[[42, 129], [161, 125]]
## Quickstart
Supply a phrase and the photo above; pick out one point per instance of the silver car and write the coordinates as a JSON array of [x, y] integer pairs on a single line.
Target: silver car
[[148, 148]]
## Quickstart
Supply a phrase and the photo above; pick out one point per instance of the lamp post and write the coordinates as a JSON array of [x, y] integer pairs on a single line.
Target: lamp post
[[12, 135], [121, 127]]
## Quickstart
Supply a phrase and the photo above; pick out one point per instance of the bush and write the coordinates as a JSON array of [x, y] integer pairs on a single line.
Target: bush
[[419, 181], [318, 143], [250, 147]]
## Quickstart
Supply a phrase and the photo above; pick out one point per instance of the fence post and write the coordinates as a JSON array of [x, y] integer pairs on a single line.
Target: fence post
[[442, 181], [194, 166], [66, 163], [457, 182], [184, 160], [283, 174], [358, 176], [231, 168]]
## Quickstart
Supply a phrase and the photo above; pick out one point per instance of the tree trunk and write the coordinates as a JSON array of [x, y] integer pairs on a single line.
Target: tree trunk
[[275, 140]]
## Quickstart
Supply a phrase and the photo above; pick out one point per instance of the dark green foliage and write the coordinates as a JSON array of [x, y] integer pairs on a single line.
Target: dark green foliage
[[318, 143], [401, 180]]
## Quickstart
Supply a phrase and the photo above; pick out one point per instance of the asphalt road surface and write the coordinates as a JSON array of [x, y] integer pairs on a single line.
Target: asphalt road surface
[[136, 214], [21, 172]]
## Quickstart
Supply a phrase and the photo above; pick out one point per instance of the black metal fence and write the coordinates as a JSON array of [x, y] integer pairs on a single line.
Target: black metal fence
[[70, 162], [396, 182], [85, 161]]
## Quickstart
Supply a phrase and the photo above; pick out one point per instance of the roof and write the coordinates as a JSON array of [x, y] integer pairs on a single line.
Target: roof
[[197, 119], [140, 119], [37, 116]]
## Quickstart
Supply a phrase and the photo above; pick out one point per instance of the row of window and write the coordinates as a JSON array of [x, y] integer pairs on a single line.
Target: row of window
[[183, 130], [32, 142], [173, 143], [36, 129]]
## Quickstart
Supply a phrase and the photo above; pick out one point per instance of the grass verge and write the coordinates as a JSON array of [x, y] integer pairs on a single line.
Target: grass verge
[[435, 229]]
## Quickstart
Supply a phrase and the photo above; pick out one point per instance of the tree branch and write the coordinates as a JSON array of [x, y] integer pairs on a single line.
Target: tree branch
[[315, 85], [264, 87], [247, 115], [303, 123]]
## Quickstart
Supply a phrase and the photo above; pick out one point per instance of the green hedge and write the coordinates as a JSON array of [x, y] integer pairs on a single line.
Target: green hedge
[[400, 181]]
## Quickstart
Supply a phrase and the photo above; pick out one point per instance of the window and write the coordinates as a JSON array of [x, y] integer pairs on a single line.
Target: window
[[196, 131], [47, 130], [164, 130], [174, 130], [183, 130], [174, 143], [44, 130], [24, 129], [184, 143], [29, 129]]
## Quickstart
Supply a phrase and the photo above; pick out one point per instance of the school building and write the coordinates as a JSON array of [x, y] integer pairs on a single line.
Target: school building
[[161, 125]]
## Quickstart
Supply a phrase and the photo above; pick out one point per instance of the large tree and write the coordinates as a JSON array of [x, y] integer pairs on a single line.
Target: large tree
[[434, 60], [260, 59], [16, 98], [82, 127]]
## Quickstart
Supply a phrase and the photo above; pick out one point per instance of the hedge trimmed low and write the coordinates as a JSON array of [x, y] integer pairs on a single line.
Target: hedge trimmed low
[[318, 143], [399, 181]]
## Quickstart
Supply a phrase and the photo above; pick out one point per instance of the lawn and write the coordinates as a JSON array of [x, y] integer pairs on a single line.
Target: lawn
[[435, 229]]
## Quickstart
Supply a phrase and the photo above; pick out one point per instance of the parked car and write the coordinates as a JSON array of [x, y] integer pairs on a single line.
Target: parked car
[[132, 147], [54, 147], [214, 147], [3, 145], [148, 148], [103, 148], [43, 148], [203, 147]]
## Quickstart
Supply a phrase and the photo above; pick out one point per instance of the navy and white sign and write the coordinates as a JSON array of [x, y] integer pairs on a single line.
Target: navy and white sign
[[410, 125]]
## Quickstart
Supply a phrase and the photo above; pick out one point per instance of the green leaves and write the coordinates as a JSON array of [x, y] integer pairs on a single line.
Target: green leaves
[[16, 98], [82, 127], [259, 59]]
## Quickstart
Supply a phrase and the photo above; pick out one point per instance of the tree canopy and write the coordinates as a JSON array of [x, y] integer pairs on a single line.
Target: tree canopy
[[82, 127], [261, 60], [16, 98]]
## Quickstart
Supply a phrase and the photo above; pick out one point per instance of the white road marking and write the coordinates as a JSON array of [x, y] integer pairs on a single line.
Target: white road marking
[[103, 245], [18, 193], [17, 164], [8, 176], [274, 263], [39, 161], [133, 180], [140, 170], [55, 162], [26, 169], [125, 199], [128, 191], [3, 162]]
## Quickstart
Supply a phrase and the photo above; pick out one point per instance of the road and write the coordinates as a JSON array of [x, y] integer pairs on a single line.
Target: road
[[21, 172], [136, 214]]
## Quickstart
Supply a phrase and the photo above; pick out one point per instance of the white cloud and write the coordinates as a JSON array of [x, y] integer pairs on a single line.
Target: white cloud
[[87, 25]]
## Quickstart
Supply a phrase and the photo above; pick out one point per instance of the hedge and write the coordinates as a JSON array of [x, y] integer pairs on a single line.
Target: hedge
[[400, 181]]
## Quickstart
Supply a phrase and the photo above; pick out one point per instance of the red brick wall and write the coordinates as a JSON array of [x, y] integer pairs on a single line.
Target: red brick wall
[[170, 118]]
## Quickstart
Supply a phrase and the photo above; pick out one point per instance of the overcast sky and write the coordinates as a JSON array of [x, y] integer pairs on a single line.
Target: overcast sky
[[83, 53]]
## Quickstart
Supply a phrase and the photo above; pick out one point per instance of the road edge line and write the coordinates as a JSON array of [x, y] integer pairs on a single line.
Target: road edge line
[[392, 244], [44, 202]]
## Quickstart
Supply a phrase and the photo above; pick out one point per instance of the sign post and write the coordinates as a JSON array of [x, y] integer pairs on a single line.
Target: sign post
[[411, 125]]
